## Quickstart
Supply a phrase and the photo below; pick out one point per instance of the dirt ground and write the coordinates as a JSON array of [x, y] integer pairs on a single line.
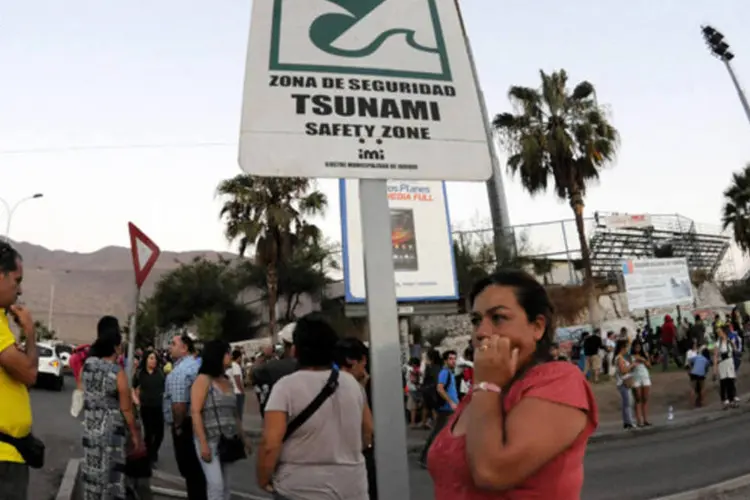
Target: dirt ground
[[671, 388]]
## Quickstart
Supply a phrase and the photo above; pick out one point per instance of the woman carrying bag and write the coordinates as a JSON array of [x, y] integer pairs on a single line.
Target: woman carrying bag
[[219, 439]]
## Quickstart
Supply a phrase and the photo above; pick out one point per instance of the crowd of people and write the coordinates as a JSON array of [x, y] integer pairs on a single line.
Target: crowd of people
[[514, 422], [703, 349]]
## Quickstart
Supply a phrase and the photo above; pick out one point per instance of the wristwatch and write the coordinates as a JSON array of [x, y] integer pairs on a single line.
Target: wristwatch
[[487, 387]]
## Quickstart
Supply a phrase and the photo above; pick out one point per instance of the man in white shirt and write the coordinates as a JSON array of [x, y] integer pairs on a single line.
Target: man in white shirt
[[234, 374]]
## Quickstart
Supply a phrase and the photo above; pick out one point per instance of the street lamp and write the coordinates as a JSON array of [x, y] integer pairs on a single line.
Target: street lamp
[[10, 210], [720, 48]]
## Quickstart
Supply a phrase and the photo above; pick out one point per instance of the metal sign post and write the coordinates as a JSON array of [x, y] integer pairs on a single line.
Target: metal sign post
[[144, 253], [385, 349], [132, 336], [326, 96]]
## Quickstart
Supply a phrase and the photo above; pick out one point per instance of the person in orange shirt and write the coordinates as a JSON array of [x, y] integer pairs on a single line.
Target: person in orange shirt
[[18, 370]]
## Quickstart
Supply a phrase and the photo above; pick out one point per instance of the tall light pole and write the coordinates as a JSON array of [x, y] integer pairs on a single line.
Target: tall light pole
[[720, 48], [11, 209], [504, 242]]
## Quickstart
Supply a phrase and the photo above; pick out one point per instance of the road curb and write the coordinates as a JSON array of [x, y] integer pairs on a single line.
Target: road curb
[[67, 489], [680, 424], [714, 491]]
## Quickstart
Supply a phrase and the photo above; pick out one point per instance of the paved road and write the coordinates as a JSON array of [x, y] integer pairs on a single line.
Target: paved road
[[668, 462], [641, 468], [61, 435]]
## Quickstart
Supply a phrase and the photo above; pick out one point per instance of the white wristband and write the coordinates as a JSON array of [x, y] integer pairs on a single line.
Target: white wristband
[[488, 387]]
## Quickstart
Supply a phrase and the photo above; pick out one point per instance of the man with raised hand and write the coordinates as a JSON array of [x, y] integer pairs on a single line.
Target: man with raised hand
[[18, 370]]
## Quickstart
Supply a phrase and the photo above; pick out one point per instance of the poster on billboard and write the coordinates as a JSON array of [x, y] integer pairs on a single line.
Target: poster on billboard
[[651, 283], [627, 221], [375, 89], [420, 239]]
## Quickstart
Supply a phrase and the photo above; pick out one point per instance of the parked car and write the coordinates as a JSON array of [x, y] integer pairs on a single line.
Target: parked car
[[50, 368], [64, 351]]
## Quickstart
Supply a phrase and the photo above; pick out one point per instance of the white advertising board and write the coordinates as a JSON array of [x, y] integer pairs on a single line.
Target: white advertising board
[[651, 283], [376, 89], [421, 241]]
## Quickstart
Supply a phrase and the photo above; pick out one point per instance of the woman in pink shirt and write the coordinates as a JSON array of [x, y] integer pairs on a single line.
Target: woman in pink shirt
[[522, 431]]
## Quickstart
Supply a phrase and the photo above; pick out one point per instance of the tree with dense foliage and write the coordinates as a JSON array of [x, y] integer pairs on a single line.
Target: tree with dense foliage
[[561, 137], [42, 332], [475, 258], [473, 262], [270, 215], [202, 292], [304, 273], [736, 212], [147, 324]]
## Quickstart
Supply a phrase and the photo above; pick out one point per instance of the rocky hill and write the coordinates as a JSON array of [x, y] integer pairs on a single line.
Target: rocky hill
[[76, 289]]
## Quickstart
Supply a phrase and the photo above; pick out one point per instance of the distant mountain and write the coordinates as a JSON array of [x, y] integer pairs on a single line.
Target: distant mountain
[[76, 289]]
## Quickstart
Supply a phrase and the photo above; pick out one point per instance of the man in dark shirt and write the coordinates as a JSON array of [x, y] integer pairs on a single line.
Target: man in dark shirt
[[592, 344], [268, 373], [697, 332]]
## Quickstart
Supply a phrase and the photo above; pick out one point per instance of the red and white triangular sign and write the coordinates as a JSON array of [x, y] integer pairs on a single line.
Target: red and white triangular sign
[[144, 253]]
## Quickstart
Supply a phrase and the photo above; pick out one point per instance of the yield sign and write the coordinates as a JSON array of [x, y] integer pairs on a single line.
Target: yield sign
[[144, 252]]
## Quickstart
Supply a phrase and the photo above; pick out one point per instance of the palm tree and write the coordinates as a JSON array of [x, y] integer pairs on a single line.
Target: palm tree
[[562, 137], [737, 208], [270, 215]]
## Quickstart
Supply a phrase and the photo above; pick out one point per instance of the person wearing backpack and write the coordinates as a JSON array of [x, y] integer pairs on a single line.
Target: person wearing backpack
[[448, 400]]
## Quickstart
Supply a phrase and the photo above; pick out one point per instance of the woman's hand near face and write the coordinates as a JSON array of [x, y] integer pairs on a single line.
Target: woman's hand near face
[[495, 361]]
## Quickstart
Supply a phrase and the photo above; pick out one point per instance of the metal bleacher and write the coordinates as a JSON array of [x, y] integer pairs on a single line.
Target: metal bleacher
[[672, 235]]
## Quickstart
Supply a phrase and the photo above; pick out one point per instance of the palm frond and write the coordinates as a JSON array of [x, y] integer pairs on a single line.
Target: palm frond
[[736, 209]]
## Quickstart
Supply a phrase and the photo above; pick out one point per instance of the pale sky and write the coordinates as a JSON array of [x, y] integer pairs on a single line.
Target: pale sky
[[88, 86]]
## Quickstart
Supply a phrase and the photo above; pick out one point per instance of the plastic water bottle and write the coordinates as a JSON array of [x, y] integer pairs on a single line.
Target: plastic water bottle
[[670, 414]]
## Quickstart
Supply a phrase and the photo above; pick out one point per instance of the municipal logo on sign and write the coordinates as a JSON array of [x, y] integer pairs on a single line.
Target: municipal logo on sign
[[380, 89], [358, 36]]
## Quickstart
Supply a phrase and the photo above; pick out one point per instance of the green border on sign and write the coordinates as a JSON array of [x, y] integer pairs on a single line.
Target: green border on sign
[[276, 65]]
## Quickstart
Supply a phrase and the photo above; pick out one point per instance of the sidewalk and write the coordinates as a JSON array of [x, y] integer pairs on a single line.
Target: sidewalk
[[609, 430]]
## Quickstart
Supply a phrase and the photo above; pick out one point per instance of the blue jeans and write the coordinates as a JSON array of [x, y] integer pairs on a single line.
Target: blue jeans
[[217, 478], [240, 404], [627, 417]]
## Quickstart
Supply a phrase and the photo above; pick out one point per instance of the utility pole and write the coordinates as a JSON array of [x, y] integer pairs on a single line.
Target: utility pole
[[720, 48], [502, 233]]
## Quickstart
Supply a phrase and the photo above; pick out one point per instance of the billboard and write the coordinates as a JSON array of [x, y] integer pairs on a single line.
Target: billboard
[[420, 237], [379, 89], [627, 221], [651, 283]]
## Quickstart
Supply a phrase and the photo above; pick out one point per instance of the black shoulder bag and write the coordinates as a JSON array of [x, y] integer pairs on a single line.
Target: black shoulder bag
[[331, 385], [230, 448], [29, 447]]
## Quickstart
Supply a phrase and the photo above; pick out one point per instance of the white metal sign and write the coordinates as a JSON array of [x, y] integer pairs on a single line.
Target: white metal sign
[[651, 283], [420, 238], [371, 89]]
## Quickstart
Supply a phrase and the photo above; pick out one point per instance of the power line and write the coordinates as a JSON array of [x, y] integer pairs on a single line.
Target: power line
[[113, 147]]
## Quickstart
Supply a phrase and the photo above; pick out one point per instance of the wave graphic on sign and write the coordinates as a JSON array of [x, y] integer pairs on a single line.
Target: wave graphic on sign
[[328, 28]]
